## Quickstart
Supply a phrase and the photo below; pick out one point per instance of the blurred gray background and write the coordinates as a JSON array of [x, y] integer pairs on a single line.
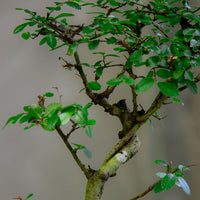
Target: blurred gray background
[[36, 161]]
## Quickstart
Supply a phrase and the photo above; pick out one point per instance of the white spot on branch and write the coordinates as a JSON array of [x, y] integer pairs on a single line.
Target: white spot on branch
[[122, 156]]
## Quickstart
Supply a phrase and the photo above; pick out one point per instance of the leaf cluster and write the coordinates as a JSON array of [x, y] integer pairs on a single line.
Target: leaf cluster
[[173, 176]]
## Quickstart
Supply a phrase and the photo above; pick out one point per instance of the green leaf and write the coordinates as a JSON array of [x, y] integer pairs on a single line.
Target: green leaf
[[163, 73], [168, 181], [51, 109], [43, 40], [175, 100], [28, 127], [93, 44], [144, 85], [94, 85], [114, 82], [161, 162], [29, 196], [49, 94], [25, 118], [177, 73], [192, 87], [152, 61], [169, 89], [52, 121], [81, 117], [70, 108], [65, 117], [64, 15], [91, 122], [158, 187], [87, 152], [189, 75], [51, 41], [44, 125], [88, 131], [99, 71], [73, 5], [88, 105], [88, 29], [111, 40], [35, 111], [136, 56], [25, 36], [72, 49], [13, 119], [183, 184], [20, 28], [130, 81]]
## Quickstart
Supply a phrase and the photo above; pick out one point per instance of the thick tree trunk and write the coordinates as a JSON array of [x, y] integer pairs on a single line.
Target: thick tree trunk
[[96, 182]]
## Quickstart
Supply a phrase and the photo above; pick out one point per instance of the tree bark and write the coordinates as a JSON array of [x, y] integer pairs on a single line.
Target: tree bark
[[96, 182]]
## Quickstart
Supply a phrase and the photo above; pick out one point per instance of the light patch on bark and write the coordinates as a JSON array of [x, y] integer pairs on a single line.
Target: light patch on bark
[[122, 156]]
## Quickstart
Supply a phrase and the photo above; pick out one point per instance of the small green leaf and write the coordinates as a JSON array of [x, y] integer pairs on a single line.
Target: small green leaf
[[87, 152], [49, 94], [25, 36], [93, 44], [144, 85], [88, 105], [91, 122], [65, 117], [130, 81], [20, 28], [29, 196], [111, 40], [51, 41], [168, 181], [161, 162], [81, 117], [163, 73], [94, 85], [192, 87], [64, 15], [35, 111], [43, 40], [175, 100], [44, 125], [158, 188], [88, 131], [51, 109], [152, 61], [25, 118], [99, 71], [13, 119], [52, 121], [169, 89], [72, 49], [189, 75], [114, 82], [73, 5], [28, 127]]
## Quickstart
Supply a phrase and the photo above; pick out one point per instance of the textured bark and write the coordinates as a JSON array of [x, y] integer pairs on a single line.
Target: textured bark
[[96, 182]]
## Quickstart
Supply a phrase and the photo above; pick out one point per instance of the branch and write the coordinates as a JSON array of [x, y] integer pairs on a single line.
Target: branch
[[65, 140], [149, 189], [123, 141]]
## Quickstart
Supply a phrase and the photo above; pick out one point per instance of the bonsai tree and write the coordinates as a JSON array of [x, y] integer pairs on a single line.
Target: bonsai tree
[[168, 53]]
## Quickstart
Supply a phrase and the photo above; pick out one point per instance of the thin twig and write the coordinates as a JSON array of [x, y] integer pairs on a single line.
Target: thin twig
[[65, 140], [59, 95]]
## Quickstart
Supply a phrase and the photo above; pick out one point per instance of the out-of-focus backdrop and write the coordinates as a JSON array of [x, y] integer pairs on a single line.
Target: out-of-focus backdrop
[[36, 161]]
